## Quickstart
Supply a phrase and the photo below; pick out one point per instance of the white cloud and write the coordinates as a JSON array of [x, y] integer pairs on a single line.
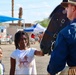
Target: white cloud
[[19, 5]]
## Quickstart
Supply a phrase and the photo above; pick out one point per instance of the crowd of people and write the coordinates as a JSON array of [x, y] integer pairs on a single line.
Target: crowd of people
[[22, 60]]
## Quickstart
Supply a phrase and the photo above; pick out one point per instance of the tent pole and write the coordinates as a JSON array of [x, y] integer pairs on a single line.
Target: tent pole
[[23, 24]]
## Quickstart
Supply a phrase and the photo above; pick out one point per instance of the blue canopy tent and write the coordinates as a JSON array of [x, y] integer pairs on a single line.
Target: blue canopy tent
[[35, 28], [6, 18], [29, 29]]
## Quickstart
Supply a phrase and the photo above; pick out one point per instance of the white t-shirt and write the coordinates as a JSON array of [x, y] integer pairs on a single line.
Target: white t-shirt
[[25, 61]]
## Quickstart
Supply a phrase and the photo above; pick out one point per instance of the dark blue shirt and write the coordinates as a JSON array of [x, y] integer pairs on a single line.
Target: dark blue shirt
[[64, 50]]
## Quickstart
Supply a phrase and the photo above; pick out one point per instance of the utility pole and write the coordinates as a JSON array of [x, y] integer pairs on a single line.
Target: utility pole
[[20, 16], [12, 9]]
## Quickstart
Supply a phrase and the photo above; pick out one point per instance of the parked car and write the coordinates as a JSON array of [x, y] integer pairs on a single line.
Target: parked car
[[7, 39]]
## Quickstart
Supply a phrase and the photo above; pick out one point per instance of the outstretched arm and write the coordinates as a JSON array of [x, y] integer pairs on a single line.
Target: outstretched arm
[[39, 53]]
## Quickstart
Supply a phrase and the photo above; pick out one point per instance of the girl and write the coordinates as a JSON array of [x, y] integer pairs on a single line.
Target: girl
[[22, 61]]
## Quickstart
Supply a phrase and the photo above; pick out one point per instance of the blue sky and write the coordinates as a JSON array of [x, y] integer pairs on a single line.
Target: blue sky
[[33, 10]]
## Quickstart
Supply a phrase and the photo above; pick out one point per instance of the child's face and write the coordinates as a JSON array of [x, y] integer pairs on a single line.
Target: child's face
[[23, 41], [1, 54]]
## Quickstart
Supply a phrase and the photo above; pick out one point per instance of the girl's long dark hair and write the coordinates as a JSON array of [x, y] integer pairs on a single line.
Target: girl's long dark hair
[[18, 36]]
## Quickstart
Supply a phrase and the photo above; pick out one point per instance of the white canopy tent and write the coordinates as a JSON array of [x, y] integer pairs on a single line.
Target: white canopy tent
[[35, 28]]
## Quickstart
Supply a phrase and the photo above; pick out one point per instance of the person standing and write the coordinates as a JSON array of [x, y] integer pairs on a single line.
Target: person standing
[[33, 38], [64, 51], [22, 61]]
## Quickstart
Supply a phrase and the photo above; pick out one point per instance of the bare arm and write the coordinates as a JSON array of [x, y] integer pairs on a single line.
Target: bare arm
[[39, 53], [12, 66]]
